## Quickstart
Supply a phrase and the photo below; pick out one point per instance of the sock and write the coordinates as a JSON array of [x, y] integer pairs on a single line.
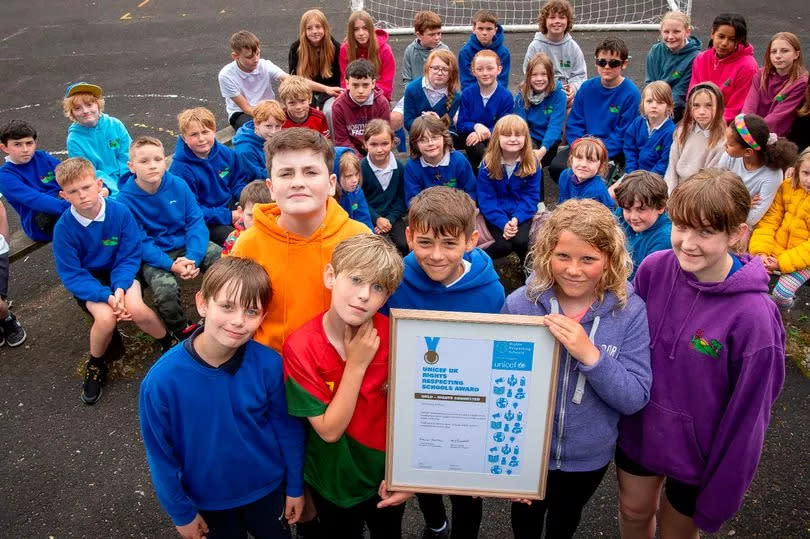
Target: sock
[[95, 360], [438, 530], [165, 342]]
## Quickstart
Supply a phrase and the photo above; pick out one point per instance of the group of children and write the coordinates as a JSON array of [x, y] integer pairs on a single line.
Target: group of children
[[304, 203]]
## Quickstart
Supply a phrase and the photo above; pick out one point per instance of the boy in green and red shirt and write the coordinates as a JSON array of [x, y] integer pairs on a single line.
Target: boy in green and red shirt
[[335, 372]]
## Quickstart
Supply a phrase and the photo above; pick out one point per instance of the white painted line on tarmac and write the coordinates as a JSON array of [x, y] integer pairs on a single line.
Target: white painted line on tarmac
[[15, 34]]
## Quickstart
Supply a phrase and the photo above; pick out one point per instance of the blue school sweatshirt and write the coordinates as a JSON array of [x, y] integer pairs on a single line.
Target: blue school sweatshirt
[[545, 119], [355, 205], [515, 196], [479, 291], [643, 151], [255, 446], [416, 102], [641, 244], [106, 146], [603, 112], [112, 245], [673, 68], [388, 203], [458, 173], [469, 50], [171, 219], [250, 148], [594, 188], [216, 181], [472, 111], [32, 188]]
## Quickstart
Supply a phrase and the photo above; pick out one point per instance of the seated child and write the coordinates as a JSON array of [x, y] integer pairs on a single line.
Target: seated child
[[214, 172], [481, 105], [436, 91], [649, 136], [314, 55], [357, 106], [11, 331], [248, 142], [97, 252], [98, 137], [349, 190], [256, 192], [27, 179], [365, 42], [176, 243], [584, 177], [434, 161], [336, 374], [445, 271], [219, 380], [293, 237], [487, 34], [296, 96], [642, 202]]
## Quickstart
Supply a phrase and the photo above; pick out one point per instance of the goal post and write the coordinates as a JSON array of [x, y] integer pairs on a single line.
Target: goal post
[[396, 16]]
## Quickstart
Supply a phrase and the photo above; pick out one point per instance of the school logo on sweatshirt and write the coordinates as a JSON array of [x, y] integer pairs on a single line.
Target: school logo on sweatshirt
[[548, 110], [709, 347], [114, 143], [47, 178], [565, 63], [110, 242], [727, 83], [452, 182], [658, 148], [354, 206], [676, 74], [224, 172], [615, 109], [779, 98]]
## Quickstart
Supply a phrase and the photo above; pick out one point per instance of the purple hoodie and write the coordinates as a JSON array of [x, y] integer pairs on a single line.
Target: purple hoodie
[[591, 399], [718, 352]]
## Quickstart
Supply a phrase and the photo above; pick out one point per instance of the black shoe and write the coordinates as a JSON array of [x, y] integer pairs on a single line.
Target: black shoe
[[430, 534], [14, 333], [95, 376]]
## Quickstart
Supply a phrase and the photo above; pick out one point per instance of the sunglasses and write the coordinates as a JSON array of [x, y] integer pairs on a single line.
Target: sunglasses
[[613, 64]]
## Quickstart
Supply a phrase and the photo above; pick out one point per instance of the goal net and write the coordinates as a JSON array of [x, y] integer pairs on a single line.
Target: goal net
[[396, 16]]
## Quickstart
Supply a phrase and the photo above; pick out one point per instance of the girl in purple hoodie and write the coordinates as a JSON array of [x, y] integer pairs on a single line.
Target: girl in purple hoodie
[[718, 351], [579, 287]]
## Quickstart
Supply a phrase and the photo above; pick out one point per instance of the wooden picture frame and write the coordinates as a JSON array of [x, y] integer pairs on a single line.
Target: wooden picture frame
[[471, 401]]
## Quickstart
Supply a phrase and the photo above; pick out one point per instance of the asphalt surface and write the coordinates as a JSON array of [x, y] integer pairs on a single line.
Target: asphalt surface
[[69, 470]]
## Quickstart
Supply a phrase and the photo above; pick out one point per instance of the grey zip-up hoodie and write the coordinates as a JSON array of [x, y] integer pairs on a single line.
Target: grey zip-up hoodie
[[569, 62]]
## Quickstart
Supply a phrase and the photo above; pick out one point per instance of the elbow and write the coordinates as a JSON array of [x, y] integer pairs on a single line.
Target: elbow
[[329, 437]]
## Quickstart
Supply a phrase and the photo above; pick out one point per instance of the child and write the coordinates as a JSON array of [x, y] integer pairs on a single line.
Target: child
[[728, 62], [509, 187], [97, 252], [296, 96], [314, 56], [445, 271], [642, 202], [248, 142], [554, 39], [293, 237], [219, 380], [98, 137], [778, 90], [436, 91], [584, 177], [359, 105], [487, 34], [482, 104], [363, 41], [649, 137], [579, 287], [718, 361], [256, 192], [433, 160], [350, 191], [800, 130], [758, 157], [541, 102], [214, 172], [11, 331], [336, 375], [670, 60], [383, 183], [27, 179], [176, 243], [699, 140]]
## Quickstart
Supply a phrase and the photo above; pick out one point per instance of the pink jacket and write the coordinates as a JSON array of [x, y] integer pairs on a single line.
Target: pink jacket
[[388, 65], [732, 74], [776, 103]]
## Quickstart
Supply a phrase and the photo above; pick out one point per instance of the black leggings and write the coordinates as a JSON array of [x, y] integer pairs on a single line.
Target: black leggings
[[566, 496], [519, 243], [466, 514], [350, 522], [262, 518]]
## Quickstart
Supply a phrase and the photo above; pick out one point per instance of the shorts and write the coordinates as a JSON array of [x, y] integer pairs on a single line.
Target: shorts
[[400, 106], [4, 275], [104, 277], [681, 496]]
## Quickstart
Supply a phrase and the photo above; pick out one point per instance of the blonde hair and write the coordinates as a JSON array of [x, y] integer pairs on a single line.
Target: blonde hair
[[370, 257], [660, 91], [294, 87], [201, 115], [801, 158], [349, 161], [83, 98], [268, 108], [511, 124], [544, 60], [353, 46], [142, 141], [430, 125], [593, 223], [590, 148], [453, 83], [710, 198], [443, 210], [244, 281], [70, 170], [679, 16], [717, 127], [314, 61]]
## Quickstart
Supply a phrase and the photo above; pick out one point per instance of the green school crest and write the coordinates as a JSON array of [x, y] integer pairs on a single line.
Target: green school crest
[[225, 172], [677, 74], [565, 63], [48, 178], [727, 83], [114, 143], [452, 182], [658, 148], [614, 109], [354, 206], [779, 98], [710, 347], [111, 242], [548, 110]]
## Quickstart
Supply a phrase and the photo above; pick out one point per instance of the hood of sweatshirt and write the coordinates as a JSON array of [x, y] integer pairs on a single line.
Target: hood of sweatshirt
[[497, 41], [352, 105], [548, 302], [184, 154], [733, 58], [265, 218], [382, 37], [247, 135], [539, 37], [339, 151]]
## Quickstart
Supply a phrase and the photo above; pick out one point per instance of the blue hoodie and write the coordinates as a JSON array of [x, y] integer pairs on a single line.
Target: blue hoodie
[[513, 196], [641, 244], [216, 181], [645, 151], [591, 399], [250, 148], [353, 202], [479, 291], [594, 188], [469, 50], [32, 188], [546, 118], [472, 110], [106, 146], [673, 68], [171, 218], [458, 173], [416, 102]]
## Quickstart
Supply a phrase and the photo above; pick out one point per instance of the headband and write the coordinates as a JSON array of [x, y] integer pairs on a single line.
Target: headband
[[745, 134]]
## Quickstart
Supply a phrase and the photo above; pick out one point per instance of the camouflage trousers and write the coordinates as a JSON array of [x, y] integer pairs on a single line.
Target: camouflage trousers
[[166, 290]]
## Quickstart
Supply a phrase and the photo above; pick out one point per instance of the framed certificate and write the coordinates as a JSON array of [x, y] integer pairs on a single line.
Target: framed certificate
[[470, 403]]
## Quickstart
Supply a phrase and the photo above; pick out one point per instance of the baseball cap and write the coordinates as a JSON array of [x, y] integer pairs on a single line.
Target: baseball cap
[[83, 87]]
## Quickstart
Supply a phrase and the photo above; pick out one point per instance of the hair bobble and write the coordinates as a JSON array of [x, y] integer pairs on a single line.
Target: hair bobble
[[772, 138], [745, 134]]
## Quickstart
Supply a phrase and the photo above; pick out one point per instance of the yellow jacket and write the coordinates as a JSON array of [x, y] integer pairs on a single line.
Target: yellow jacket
[[784, 232]]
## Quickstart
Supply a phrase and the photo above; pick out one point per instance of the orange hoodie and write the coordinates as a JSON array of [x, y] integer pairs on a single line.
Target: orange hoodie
[[295, 266]]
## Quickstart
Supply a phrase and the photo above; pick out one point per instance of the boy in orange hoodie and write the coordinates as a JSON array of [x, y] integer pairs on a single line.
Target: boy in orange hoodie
[[293, 237]]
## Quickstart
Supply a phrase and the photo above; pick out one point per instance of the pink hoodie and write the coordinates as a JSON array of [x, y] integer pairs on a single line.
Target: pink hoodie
[[732, 74], [388, 65]]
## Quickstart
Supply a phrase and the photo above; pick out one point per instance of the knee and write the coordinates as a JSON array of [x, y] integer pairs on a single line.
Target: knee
[[105, 321], [637, 510]]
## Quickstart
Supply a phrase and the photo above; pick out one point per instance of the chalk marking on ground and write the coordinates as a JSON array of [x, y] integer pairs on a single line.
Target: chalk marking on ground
[[126, 16], [161, 129], [15, 34], [143, 3], [12, 109], [165, 96]]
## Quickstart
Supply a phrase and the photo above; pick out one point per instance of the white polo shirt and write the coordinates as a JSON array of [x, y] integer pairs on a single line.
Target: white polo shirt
[[254, 86]]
